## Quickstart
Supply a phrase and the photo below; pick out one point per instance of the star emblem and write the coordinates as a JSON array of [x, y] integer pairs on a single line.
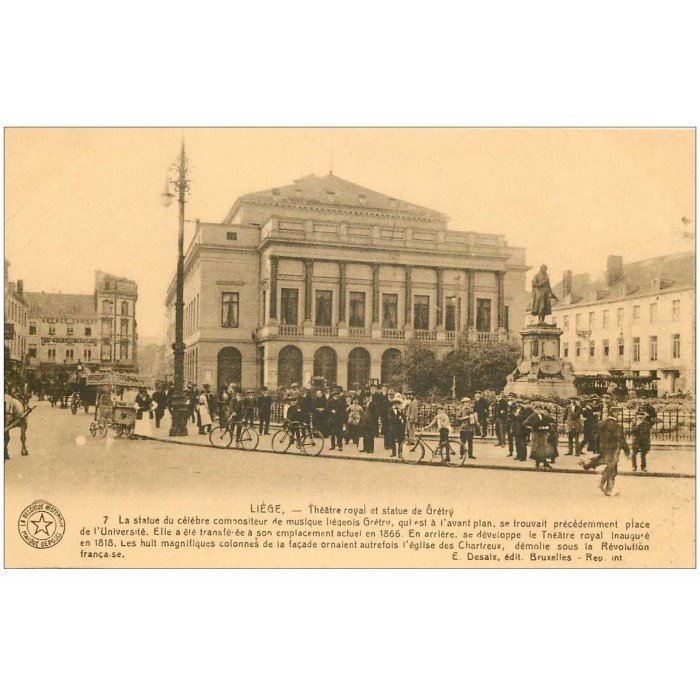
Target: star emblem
[[42, 525]]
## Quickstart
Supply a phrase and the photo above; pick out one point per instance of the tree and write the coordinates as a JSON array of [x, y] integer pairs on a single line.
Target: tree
[[417, 367], [471, 367]]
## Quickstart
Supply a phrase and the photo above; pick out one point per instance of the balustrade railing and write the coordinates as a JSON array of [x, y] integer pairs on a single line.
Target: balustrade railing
[[326, 331], [359, 333], [291, 331], [392, 334]]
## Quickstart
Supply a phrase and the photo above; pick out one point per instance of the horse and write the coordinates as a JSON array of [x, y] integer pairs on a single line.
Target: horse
[[13, 419]]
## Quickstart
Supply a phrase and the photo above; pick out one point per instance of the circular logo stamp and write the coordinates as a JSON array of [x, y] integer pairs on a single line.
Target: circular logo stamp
[[41, 525]]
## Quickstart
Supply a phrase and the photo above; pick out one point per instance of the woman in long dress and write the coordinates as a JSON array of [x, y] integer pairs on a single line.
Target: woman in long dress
[[539, 424], [203, 413]]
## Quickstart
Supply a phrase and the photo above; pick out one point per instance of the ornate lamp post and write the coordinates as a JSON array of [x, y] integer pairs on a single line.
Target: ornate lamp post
[[179, 400]]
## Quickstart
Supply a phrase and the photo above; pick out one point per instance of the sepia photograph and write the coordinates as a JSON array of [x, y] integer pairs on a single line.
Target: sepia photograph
[[349, 348]]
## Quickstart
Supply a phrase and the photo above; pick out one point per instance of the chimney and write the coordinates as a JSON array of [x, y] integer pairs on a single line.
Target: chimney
[[614, 272], [566, 283], [20, 289]]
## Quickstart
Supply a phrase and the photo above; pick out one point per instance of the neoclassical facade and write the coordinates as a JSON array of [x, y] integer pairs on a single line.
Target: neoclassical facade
[[325, 278]]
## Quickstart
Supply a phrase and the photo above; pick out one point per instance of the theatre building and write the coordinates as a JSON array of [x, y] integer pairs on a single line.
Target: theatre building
[[325, 278]]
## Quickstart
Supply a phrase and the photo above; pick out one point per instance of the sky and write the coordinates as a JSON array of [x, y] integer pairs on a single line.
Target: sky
[[80, 200]]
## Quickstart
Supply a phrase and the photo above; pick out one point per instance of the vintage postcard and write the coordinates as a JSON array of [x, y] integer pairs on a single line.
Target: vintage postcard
[[292, 348]]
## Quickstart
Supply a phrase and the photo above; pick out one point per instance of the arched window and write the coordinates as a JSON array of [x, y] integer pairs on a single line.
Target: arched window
[[358, 368], [326, 364], [229, 367], [289, 366], [390, 359]]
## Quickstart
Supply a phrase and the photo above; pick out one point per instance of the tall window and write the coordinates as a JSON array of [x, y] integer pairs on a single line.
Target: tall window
[[124, 326], [125, 308], [52, 330], [578, 348], [652, 312], [606, 348], [606, 318], [124, 351], [229, 309], [635, 313], [107, 307], [357, 310], [565, 346], [676, 309], [483, 315], [620, 347], [69, 354], [106, 352], [591, 319], [591, 349], [69, 330], [106, 326], [421, 312], [390, 310], [324, 307], [620, 316], [636, 350], [88, 331], [450, 315], [290, 307], [676, 346], [52, 353], [87, 354], [32, 352], [578, 321], [32, 329], [566, 323], [653, 348]]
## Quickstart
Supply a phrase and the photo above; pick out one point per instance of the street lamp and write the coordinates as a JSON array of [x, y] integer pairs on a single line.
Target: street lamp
[[178, 426]]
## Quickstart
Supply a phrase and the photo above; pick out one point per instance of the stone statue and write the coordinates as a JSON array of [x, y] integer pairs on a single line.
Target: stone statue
[[542, 295]]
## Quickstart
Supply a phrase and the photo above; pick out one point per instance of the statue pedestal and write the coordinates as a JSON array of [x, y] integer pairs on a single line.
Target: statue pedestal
[[540, 370]]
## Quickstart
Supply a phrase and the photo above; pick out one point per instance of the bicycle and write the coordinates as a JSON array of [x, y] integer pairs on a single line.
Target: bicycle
[[414, 453], [308, 441], [222, 436]]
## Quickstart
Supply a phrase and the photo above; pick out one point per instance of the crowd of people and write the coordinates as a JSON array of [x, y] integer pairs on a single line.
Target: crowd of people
[[377, 417]]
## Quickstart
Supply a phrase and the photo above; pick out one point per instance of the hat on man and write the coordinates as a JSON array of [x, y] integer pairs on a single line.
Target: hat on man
[[465, 399], [397, 398]]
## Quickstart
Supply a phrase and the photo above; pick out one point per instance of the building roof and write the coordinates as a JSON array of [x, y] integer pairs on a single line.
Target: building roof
[[43, 304], [640, 278], [330, 189]]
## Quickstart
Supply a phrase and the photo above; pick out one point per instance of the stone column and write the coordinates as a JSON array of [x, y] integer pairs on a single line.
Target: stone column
[[375, 293], [341, 292], [440, 294], [501, 280], [308, 289], [470, 315], [408, 296], [273, 288]]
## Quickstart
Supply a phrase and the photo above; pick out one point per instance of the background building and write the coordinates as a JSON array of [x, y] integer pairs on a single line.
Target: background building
[[636, 320], [325, 278], [96, 330], [16, 320]]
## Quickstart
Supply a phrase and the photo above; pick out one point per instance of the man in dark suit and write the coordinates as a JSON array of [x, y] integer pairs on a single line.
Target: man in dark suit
[[611, 436], [236, 412], [161, 400], [264, 406], [335, 418], [481, 408], [641, 440], [395, 425], [500, 418]]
